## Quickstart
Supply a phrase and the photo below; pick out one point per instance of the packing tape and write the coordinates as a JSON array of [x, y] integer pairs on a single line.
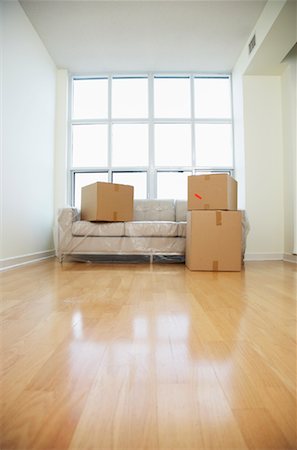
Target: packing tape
[[215, 266], [206, 177], [115, 215], [218, 218], [206, 206], [116, 187]]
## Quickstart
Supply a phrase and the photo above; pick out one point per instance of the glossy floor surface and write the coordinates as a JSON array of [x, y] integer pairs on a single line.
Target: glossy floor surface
[[133, 357]]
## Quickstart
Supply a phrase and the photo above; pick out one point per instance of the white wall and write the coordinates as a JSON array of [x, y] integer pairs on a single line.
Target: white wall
[[264, 165], [264, 125], [28, 90], [263, 26], [289, 108], [61, 132], [238, 137], [1, 127]]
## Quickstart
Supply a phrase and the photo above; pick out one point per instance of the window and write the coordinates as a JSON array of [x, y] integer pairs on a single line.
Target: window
[[172, 97], [150, 131], [173, 145], [213, 145], [90, 99], [89, 145], [172, 185], [130, 145], [136, 179], [129, 98], [212, 98]]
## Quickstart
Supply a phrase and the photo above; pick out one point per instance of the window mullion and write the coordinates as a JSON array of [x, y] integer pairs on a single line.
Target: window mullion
[[193, 123], [109, 148], [151, 179], [70, 178]]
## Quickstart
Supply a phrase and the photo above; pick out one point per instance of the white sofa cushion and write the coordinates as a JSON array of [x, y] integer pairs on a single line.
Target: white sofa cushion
[[157, 210], [182, 229], [85, 228], [181, 210], [150, 229]]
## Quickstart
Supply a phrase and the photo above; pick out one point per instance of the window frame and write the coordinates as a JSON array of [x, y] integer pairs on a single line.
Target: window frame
[[151, 169]]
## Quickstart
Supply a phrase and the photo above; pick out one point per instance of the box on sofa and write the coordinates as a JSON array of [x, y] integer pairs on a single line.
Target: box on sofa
[[108, 202]]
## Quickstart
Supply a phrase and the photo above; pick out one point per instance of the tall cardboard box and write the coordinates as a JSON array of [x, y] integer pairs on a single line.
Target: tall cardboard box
[[107, 202], [215, 191], [214, 240]]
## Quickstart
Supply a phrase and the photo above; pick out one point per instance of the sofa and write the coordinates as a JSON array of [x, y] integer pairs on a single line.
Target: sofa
[[157, 231]]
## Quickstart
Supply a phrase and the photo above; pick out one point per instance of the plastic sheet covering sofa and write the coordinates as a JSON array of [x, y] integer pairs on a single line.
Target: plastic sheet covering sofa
[[158, 229]]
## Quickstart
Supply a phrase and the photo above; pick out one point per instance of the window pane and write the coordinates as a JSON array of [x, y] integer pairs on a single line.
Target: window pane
[[214, 145], [90, 99], [89, 145], [173, 185], [172, 97], [129, 98], [83, 179], [173, 145], [136, 179], [212, 98], [130, 145]]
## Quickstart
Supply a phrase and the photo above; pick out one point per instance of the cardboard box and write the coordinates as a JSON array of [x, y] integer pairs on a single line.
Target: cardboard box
[[215, 191], [107, 202], [214, 240]]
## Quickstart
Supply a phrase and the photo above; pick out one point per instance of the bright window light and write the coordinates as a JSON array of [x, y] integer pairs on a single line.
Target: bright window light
[[129, 145], [90, 98], [214, 145], [173, 145], [129, 98], [172, 97], [173, 185], [89, 145], [136, 179], [150, 130], [212, 98]]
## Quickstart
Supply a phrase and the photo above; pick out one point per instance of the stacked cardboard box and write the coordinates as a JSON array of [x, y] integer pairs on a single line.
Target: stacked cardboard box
[[107, 202], [213, 224]]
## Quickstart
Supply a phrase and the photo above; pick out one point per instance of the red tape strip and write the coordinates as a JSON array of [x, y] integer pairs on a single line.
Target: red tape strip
[[198, 196]]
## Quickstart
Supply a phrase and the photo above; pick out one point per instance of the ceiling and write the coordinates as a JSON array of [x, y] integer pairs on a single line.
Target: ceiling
[[88, 37]]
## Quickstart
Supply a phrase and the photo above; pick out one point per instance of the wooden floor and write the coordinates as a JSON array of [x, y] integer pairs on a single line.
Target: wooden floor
[[133, 357]]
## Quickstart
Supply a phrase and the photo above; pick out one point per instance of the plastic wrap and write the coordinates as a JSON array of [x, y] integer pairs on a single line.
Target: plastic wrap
[[159, 238]]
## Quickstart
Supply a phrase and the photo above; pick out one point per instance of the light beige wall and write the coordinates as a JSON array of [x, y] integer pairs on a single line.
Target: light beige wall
[[289, 108], [264, 165], [1, 128], [28, 111], [61, 130], [263, 121], [238, 137], [269, 16]]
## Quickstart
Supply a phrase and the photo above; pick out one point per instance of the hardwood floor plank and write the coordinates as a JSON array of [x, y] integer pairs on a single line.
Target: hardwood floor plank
[[260, 431], [155, 357]]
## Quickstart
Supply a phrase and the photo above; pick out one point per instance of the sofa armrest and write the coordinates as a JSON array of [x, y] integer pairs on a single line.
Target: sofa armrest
[[66, 216], [65, 219]]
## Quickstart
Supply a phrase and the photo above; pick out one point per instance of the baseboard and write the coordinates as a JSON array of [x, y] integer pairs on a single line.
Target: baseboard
[[264, 257], [289, 257], [17, 261]]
